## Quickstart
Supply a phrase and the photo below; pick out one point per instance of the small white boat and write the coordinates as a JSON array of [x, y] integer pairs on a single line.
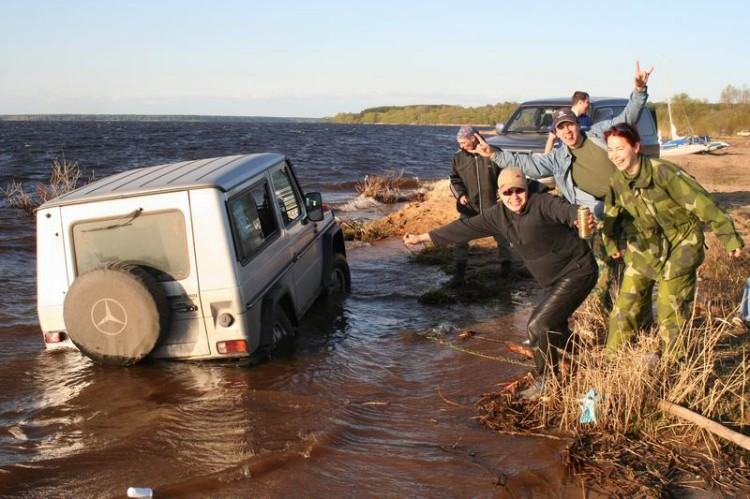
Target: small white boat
[[687, 144]]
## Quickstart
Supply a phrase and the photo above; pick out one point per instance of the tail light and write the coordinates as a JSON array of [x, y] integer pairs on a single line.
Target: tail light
[[326, 206], [231, 346], [55, 336]]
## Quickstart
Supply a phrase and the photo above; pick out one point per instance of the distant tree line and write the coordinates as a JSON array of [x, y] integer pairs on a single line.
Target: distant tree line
[[431, 114], [691, 116], [699, 117], [155, 117]]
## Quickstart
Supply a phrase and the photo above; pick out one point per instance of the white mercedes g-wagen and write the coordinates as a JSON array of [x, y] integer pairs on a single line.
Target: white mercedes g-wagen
[[204, 259]]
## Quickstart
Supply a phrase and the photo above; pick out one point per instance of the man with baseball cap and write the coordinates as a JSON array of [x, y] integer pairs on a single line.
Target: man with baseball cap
[[541, 229], [580, 167], [579, 104], [474, 184]]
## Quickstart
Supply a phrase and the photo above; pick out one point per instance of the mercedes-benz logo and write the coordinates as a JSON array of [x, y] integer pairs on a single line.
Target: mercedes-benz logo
[[109, 316]]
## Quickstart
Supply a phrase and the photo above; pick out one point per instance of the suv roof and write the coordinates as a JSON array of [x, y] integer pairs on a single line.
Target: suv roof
[[223, 173], [565, 101]]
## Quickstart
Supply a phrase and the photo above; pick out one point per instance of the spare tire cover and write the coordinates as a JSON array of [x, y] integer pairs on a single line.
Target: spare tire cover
[[115, 314]]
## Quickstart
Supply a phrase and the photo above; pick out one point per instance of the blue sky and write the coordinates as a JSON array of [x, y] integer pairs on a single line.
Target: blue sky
[[317, 58]]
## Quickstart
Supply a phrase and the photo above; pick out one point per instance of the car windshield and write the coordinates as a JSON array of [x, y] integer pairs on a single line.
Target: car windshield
[[535, 119]]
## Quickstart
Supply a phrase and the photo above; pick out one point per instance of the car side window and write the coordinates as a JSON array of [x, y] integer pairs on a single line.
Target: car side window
[[606, 113], [253, 219], [288, 198]]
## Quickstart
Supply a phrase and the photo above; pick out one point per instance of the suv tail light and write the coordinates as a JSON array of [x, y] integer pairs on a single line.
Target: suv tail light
[[55, 336], [231, 346]]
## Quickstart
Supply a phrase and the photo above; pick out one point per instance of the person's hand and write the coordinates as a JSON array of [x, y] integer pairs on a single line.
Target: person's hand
[[590, 222], [463, 200], [737, 253], [482, 148], [616, 255], [641, 77], [415, 242]]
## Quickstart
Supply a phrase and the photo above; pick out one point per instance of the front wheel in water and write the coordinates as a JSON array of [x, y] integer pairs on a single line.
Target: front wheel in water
[[340, 280]]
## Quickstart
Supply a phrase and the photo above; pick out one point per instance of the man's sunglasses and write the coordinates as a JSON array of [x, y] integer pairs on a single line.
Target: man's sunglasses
[[513, 190]]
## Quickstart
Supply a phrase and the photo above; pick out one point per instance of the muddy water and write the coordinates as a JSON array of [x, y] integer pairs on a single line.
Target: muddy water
[[366, 405]]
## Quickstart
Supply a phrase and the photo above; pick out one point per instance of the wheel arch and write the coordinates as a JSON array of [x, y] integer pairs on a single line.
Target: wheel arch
[[333, 243]]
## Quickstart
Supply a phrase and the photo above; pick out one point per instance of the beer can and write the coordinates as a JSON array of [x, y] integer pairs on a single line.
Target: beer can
[[583, 223]]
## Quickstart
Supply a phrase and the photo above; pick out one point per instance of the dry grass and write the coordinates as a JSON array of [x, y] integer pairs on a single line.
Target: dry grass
[[64, 177], [363, 230], [388, 188], [633, 447]]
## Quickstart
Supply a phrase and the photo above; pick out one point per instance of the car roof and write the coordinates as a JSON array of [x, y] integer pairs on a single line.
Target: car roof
[[222, 173], [565, 101]]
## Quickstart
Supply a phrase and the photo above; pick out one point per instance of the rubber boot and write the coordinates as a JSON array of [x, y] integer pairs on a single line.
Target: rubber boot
[[459, 277]]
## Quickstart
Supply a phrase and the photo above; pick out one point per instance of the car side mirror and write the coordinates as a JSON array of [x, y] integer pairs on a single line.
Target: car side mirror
[[314, 205], [499, 127]]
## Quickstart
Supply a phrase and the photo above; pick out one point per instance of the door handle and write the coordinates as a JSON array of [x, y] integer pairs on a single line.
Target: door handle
[[186, 308]]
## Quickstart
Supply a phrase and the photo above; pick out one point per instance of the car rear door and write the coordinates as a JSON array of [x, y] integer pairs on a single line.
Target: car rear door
[[153, 232]]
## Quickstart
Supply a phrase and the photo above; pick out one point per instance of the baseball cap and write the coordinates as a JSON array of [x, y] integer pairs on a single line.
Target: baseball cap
[[564, 115], [511, 177]]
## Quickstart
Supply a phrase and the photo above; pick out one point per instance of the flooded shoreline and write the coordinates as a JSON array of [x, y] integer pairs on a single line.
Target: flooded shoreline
[[366, 402]]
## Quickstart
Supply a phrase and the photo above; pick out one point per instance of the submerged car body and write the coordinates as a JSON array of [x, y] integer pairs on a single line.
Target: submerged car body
[[202, 259]]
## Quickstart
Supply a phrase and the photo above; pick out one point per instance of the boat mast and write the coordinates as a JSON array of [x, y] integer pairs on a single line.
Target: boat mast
[[672, 128]]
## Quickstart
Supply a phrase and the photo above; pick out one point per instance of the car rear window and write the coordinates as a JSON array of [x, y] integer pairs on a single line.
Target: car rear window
[[156, 241]]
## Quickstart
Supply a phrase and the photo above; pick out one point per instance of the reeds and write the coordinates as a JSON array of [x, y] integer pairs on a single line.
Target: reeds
[[363, 230], [388, 188], [711, 379], [64, 177]]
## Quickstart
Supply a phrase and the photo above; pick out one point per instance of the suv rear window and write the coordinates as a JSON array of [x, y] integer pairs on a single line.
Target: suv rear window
[[156, 241]]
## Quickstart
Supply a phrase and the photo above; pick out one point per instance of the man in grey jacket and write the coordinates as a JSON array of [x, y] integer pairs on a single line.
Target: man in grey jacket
[[580, 167]]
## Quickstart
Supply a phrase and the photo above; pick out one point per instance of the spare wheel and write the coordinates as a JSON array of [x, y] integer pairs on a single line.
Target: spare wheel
[[116, 314]]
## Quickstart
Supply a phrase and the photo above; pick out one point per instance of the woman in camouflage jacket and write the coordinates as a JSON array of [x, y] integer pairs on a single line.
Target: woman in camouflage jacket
[[664, 243]]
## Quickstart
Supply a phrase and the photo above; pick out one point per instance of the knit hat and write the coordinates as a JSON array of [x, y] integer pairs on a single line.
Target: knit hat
[[466, 132], [511, 177]]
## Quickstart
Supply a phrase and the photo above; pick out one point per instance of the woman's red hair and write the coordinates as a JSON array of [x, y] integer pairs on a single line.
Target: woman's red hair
[[627, 132]]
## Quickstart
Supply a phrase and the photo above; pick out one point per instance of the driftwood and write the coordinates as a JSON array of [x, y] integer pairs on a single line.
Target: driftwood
[[705, 423]]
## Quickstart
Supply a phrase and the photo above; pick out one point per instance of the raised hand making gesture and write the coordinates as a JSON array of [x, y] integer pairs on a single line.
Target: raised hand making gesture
[[641, 77], [482, 148]]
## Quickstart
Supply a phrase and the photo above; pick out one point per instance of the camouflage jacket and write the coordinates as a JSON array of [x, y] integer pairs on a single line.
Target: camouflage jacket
[[666, 206]]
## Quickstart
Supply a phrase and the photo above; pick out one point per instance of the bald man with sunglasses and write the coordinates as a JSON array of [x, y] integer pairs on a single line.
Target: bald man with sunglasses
[[542, 230]]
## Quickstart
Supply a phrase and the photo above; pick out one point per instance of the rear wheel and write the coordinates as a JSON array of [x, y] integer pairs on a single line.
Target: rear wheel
[[282, 330], [277, 334]]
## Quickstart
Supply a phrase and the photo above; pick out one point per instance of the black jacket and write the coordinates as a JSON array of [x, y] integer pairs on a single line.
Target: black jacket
[[542, 234], [476, 177]]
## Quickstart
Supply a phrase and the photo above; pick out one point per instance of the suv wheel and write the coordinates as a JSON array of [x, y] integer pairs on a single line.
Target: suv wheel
[[282, 329], [340, 280]]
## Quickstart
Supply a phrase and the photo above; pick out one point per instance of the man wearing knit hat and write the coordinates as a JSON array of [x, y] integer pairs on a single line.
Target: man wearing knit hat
[[474, 185]]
